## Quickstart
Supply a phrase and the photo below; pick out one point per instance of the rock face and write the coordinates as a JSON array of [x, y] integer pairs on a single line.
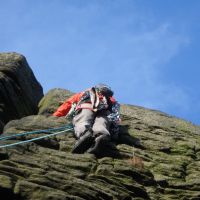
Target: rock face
[[166, 166], [20, 92], [52, 100]]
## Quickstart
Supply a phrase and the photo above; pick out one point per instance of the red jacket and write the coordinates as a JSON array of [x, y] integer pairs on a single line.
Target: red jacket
[[66, 106]]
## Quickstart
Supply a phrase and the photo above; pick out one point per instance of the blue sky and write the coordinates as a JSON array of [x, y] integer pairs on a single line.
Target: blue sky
[[146, 50]]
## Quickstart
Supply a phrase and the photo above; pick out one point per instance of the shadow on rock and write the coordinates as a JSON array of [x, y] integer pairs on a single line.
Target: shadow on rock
[[125, 138]]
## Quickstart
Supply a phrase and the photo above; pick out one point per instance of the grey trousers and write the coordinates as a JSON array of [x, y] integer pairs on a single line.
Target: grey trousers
[[98, 121]]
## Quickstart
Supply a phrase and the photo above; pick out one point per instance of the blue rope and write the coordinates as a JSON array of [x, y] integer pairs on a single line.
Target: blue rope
[[34, 139], [35, 132]]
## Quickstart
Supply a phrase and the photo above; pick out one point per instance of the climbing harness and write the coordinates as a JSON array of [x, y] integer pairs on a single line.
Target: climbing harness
[[60, 130]]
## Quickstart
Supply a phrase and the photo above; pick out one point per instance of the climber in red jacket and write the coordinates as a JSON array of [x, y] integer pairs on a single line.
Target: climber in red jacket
[[94, 112]]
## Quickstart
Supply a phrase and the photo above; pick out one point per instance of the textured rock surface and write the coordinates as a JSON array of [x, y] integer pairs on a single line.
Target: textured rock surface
[[167, 168], [20, 92], [52, 100]]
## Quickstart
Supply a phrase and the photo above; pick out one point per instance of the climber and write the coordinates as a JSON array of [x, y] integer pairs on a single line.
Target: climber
[[95, 117]]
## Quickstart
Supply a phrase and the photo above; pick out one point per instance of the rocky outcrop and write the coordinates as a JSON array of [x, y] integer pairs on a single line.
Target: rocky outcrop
[[52, 100], [20, 92], [166, 165]]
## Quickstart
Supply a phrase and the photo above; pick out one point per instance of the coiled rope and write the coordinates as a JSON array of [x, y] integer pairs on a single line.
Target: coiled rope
[[60, 130]]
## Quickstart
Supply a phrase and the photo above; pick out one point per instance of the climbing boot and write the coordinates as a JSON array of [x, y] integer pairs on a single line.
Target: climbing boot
[[100, 145], [103, 147], [83, 143]]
